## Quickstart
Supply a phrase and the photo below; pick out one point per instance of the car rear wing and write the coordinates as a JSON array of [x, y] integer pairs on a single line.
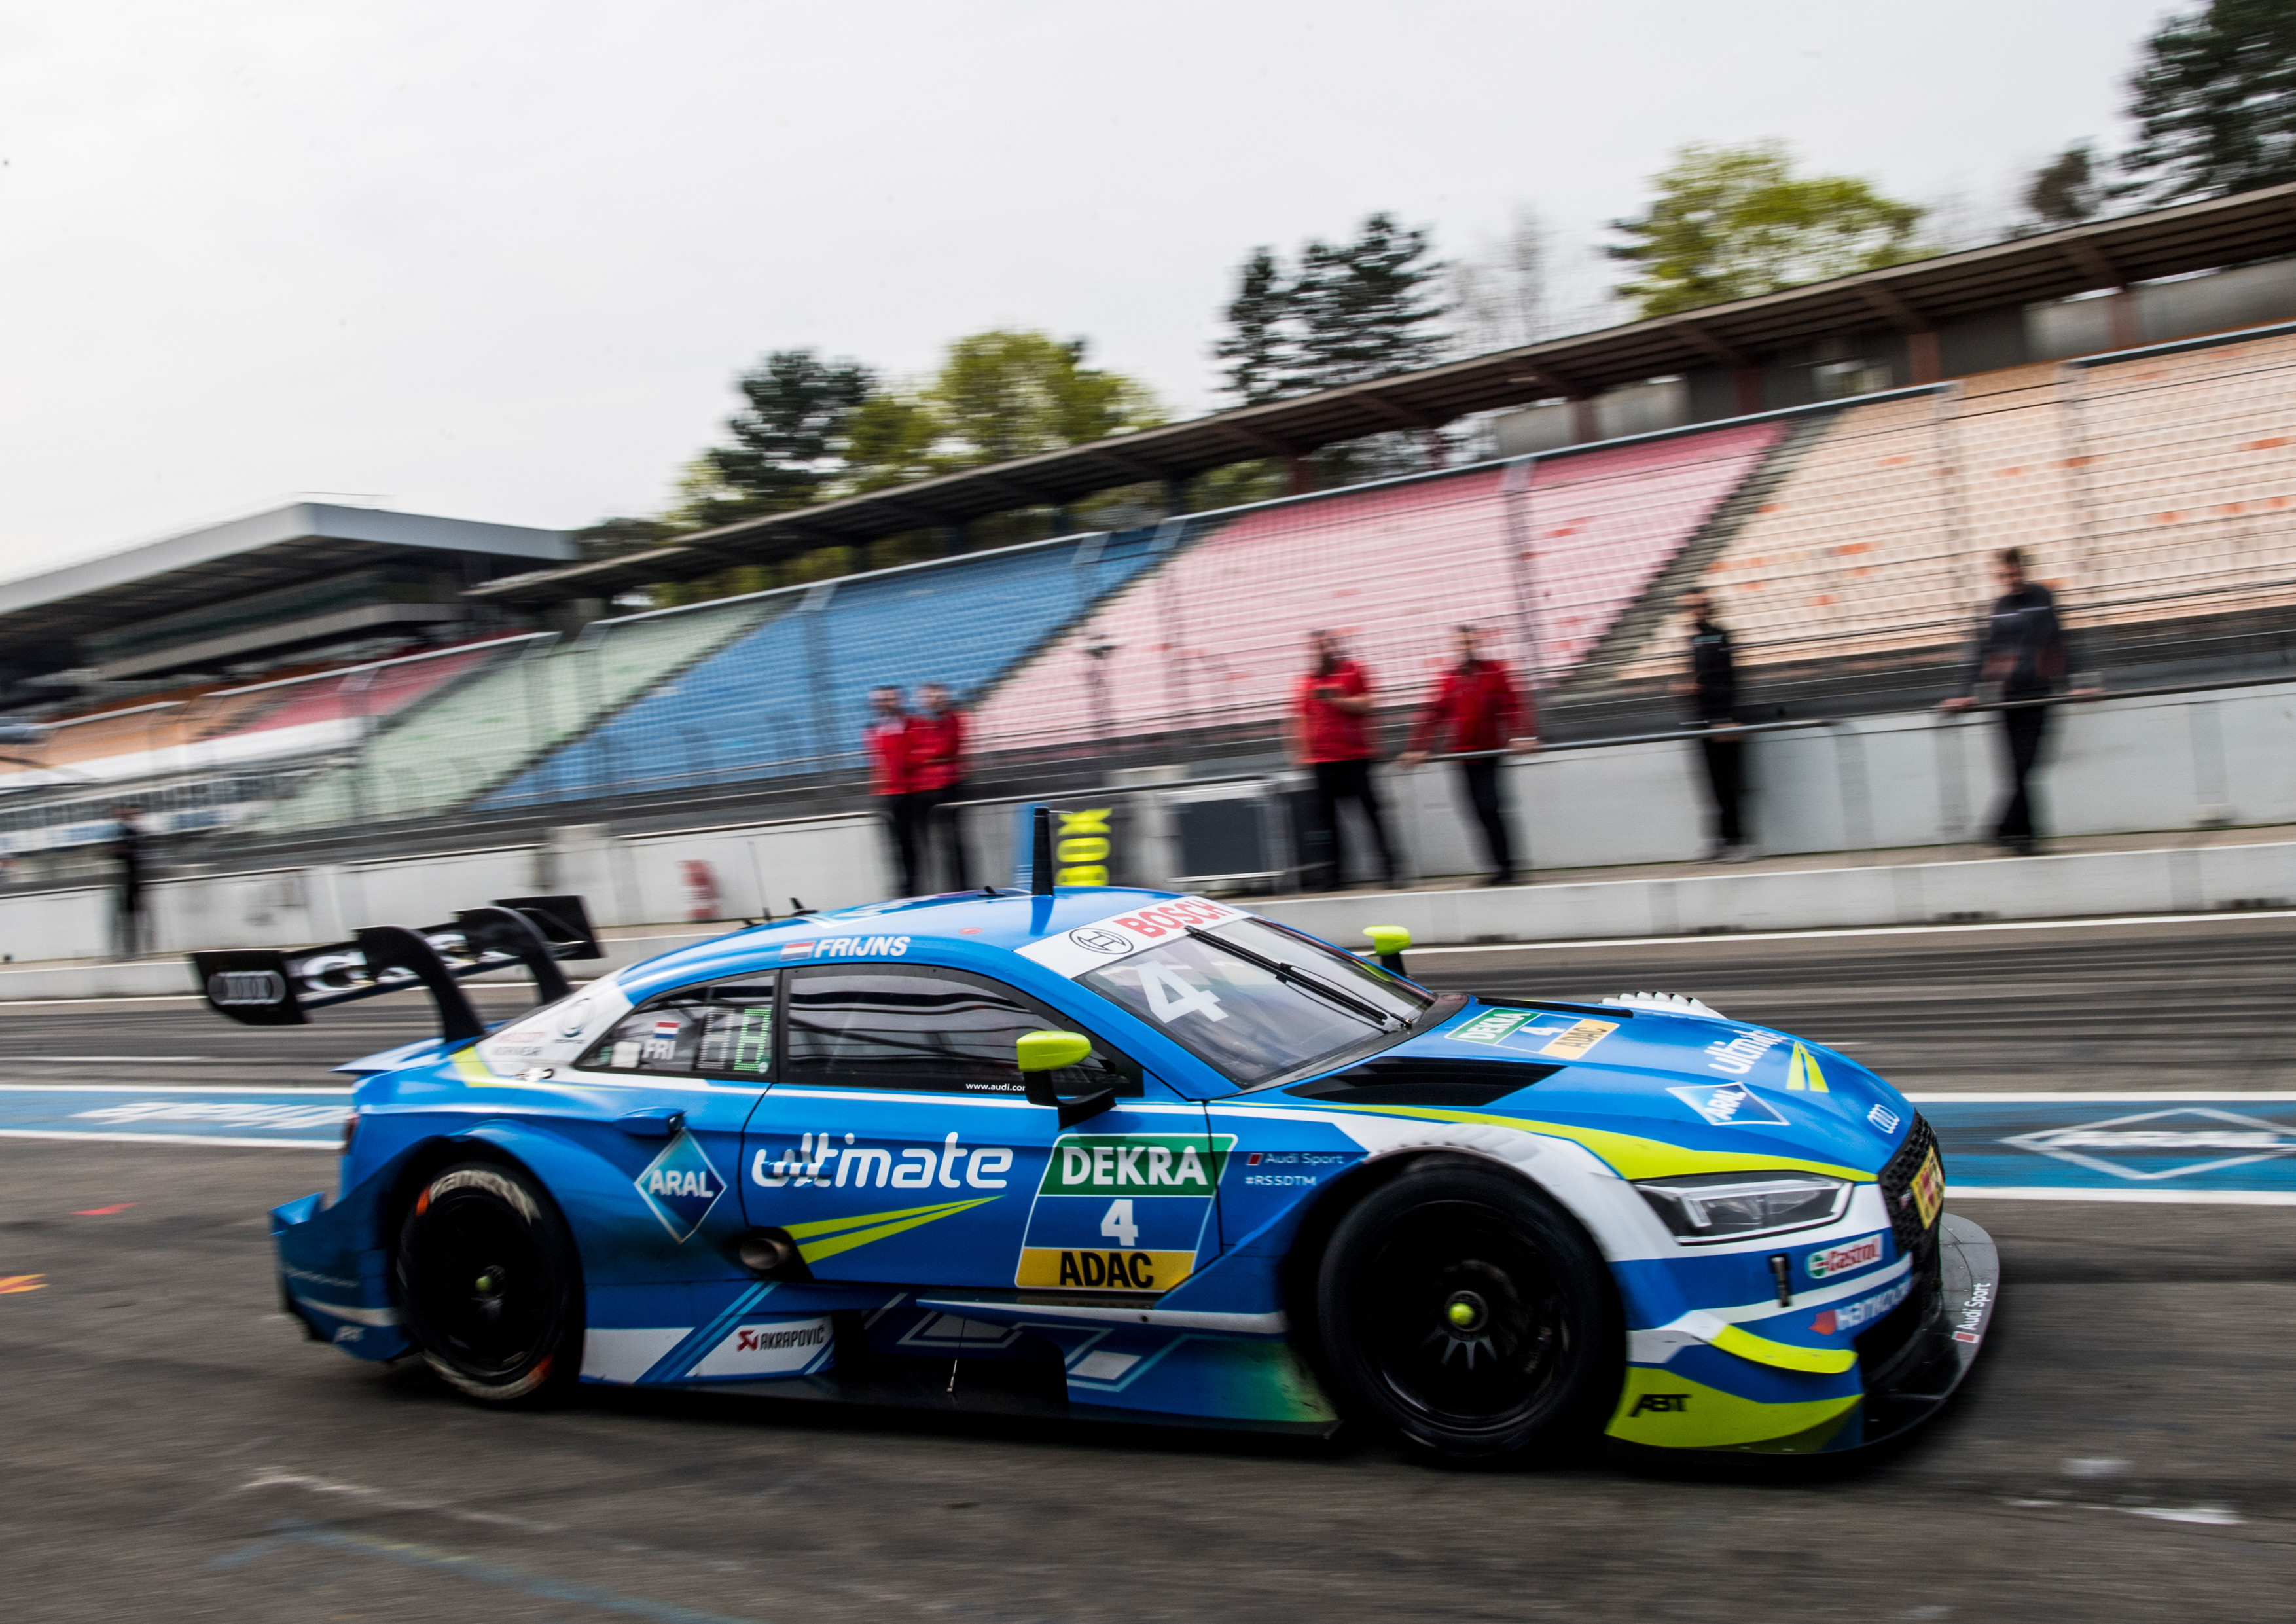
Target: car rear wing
[[258, 987]]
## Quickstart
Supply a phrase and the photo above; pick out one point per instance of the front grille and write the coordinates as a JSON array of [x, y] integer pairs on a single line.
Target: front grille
[[1898, 1188]]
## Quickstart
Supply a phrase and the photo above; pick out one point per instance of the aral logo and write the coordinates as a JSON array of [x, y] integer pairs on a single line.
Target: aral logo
[[1728, 1105], [1846, 1258], [1136, 1164], [2183, 1143], [681, 1187]]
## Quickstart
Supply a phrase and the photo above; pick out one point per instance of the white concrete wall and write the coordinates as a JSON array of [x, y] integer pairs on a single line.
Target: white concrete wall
[[2124, 765]]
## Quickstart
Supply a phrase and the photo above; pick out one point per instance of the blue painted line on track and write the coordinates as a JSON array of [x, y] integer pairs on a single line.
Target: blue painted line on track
[[297, 1118], [2168, 1145]]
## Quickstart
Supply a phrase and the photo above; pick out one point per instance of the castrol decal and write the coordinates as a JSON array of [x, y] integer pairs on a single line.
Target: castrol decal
[[1103, 941]]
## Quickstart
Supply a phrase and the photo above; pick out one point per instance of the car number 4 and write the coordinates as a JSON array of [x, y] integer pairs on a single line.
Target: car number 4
[[1118, 1226], [1172, 996]]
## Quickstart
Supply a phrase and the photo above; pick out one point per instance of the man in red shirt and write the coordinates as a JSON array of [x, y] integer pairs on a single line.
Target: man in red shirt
[[887, 737], [937, 767], [1478, 709], [1330, 735]]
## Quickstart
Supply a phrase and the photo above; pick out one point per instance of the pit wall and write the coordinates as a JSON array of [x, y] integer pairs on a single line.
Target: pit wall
[[2157, 763]]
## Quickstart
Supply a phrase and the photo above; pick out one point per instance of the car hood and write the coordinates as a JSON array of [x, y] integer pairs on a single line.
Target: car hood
[[1690, 1079]]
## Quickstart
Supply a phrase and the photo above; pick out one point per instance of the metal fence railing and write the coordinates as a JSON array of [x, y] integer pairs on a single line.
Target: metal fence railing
[[1847, 543]]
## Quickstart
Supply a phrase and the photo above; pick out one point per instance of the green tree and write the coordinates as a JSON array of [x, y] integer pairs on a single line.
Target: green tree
[[793, 438], [1735, 222], [2064, 190], [1363, 308], [2215, 102], [1257, 346], [1003, 394], [892, 440], [617, 537]]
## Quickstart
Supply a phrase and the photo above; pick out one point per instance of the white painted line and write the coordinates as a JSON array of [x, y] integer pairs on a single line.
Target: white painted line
[[290, 1089], [113, 1059], [125, 997], [292, 1144], [2227, 916], [2208, 1198]]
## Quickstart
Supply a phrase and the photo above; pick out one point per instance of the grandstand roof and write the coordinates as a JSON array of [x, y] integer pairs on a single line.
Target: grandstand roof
[[1915, 297], [301, 542]]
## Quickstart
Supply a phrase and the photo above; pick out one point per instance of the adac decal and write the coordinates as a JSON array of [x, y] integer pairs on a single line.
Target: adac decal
[[847, 947], [1929, 1187], [1866, 1310], [1085, 948], [1736, 1055], [829, 1161], [1728, 1105], [1844, 1258], [1562, 1037], [1122, 1213], [681, 1187]]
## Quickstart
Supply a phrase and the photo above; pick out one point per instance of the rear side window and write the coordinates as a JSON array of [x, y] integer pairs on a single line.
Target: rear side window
[[913, 1026], [722, 1028]]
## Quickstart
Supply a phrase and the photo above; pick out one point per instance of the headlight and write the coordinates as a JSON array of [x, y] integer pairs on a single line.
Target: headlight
[[1735, 1206]]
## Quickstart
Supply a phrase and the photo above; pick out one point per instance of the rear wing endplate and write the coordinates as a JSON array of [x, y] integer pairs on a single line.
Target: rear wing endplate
[[258, 987]]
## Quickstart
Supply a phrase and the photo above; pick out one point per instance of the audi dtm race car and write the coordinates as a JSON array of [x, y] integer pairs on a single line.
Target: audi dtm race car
[[1123, 1154]]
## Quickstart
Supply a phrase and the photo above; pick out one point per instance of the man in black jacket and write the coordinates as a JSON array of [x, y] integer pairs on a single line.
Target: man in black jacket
[[1712, 690], [2020, 650]]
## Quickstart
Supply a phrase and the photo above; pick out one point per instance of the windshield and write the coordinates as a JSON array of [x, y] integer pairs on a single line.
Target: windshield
[[1251, 1021]]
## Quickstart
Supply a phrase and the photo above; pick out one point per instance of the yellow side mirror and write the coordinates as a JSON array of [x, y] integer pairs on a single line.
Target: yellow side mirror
[[1051, 1050], [1388, 941]]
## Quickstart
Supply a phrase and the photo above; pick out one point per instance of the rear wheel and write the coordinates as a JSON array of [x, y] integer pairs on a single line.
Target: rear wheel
[[1465, 1309], [489, 1284]]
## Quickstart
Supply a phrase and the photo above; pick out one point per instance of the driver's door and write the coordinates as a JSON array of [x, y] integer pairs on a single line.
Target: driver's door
[[897, 1146]]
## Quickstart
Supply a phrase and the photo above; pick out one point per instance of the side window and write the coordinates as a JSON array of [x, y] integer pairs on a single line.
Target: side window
[[658, 1038], [737, 1030], [914, 1026]]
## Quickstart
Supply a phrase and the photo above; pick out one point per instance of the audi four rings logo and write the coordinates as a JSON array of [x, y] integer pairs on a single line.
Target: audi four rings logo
[[247, 986], [1093, 939]]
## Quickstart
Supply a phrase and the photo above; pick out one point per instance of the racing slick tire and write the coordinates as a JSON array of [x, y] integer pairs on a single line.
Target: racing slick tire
[[489, 1285], [1460, 1305]]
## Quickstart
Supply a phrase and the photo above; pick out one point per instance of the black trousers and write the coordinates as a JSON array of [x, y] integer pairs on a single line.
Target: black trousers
[[1480, 779], [128, 921], [2022, 731], [1726, 783], [1326, 859], [945, 830], [901, 821]]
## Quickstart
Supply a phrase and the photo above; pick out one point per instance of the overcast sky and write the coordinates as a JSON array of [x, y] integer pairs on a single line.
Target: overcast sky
[[504, 260]]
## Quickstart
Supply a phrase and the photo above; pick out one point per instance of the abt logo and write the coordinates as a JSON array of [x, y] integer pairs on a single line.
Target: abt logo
[[1678, 1404], [242, 988]]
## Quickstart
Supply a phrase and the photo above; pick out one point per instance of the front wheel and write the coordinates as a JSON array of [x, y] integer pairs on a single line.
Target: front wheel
[[1465, 1309], [488, 1285]]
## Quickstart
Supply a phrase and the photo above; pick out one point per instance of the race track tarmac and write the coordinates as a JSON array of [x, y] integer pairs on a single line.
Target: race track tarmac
[[173, 1449]]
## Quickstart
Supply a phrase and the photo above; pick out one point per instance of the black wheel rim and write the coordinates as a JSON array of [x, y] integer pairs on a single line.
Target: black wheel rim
[[1460, 1313], [482, 1291]]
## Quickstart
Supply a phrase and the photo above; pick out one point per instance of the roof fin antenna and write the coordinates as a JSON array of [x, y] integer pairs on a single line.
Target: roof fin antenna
[[799, 908], [1040, 855]]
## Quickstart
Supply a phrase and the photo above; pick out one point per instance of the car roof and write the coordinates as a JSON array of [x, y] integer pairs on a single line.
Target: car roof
[[962, 923]]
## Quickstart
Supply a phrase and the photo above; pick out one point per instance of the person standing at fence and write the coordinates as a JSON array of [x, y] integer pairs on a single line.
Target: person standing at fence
[[1330, 735], [2020, 652], [888, 739], [1477, 713], [937, 769], [1712, 689], [131, 853]]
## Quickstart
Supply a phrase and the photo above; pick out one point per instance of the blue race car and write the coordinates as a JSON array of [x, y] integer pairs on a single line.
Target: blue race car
[[1125, 1154]]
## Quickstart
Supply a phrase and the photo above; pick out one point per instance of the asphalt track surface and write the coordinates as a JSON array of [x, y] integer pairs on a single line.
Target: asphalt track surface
[[173, 1449]]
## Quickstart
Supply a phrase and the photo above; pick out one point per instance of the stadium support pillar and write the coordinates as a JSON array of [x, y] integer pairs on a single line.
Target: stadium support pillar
[[956, 537], [1176, 496], [1746, 389], [1584, 424], [1922, 358], [2121, 315], [1298, 478]]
